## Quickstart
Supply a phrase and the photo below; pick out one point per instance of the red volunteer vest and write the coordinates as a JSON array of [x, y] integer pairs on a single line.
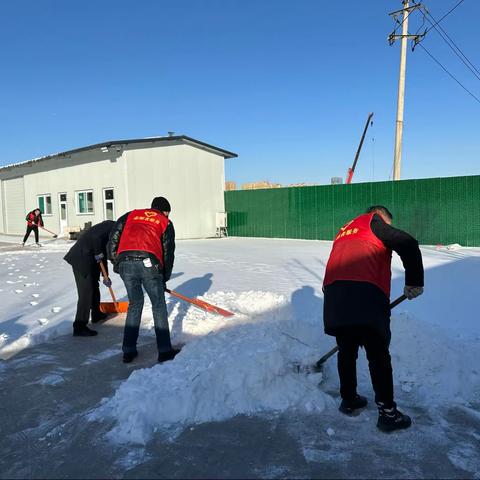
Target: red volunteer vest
[[143, 231], [31, 220], [358, 255]]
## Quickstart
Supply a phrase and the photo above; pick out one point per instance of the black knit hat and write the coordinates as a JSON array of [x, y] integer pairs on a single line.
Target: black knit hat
[[161, 204]]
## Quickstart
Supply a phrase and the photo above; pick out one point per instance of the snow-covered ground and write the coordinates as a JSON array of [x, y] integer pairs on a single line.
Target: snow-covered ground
[[245, 364]]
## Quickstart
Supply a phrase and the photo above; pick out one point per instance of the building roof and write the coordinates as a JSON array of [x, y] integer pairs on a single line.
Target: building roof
[[174, 138]]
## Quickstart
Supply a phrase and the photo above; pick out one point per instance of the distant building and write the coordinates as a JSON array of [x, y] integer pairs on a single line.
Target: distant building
[[103, 181], [230, 186], [302, 184], [259, 185], [336, 180]]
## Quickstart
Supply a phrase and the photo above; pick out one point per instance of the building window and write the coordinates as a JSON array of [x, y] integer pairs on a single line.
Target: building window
[[108, 204], [45, 204], [84, 201]]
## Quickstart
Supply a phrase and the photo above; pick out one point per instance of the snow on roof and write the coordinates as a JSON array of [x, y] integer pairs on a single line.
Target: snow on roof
[[174, 138]]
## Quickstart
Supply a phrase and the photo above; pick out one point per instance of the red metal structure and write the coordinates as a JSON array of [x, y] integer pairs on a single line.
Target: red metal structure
[[352, 169]]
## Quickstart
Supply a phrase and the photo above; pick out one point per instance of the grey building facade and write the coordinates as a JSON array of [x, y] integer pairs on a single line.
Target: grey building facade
[[103, 181]]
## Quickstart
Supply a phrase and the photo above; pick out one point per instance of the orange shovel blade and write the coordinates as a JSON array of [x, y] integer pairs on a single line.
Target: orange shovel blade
[[113, 307]]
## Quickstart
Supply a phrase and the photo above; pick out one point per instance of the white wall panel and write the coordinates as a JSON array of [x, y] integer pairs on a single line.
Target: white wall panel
[[15, 211], [191, 179]]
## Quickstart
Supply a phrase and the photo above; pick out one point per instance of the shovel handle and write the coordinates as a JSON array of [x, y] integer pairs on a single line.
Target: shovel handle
[[399, 300], [105, 275], [46, 229], [334, 350], [208, 307]]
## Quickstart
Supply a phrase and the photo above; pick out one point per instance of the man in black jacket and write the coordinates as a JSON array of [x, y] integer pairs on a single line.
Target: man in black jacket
[[356, 305], [141, 247], [84, 257]]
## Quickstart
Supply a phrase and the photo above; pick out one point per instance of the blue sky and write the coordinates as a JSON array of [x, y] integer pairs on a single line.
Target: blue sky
[[285, 84]]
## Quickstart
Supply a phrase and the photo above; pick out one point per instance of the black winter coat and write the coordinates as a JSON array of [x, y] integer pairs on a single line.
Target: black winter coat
[[92, 242], [351, 304]]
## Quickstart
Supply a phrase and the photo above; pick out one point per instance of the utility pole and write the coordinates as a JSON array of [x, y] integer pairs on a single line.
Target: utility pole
[[405, 12]]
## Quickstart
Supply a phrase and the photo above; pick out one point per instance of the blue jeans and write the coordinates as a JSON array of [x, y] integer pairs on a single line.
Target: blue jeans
[[135, 275]]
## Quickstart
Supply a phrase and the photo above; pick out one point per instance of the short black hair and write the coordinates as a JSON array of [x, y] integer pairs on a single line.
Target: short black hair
[[380, 208], [161, 204]]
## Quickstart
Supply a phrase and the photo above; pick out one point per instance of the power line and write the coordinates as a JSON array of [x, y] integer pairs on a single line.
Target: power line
[[418, 29], [450, 74], [448, 13], [454, 47]]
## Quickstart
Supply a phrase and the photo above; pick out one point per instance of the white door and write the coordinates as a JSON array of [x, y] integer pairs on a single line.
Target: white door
[[108, 204], [62, 202]]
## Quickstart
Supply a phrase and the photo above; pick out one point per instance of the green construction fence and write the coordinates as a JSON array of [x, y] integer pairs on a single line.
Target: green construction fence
[[434, 210]]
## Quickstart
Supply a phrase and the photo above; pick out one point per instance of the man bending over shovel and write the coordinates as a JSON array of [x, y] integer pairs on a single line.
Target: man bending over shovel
[[84, 257], [356, 306], [141, 248]]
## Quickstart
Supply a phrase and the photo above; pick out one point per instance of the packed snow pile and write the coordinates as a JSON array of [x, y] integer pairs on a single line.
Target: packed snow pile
[[432, 365], [243, 365], [238, 365]]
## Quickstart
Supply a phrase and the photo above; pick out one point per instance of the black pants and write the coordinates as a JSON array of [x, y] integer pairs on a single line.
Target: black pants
[[88, 297], [29, 231], [379, 362]]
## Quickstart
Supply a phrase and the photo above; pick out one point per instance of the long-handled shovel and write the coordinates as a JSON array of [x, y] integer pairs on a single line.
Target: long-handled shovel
[[122, 307], [201, 304], [319, 364], [43, 228], [115, 306]]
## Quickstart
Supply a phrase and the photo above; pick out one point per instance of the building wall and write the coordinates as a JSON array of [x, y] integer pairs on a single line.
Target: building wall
[[191, 179], [14, 201], [89, 170], [2, 206]]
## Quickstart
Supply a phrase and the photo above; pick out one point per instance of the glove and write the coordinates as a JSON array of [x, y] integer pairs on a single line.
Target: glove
[[99, 257], [412, 292], [116, 267], [107, 282]]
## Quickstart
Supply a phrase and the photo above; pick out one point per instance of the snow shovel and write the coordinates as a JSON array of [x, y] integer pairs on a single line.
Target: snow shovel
[[111, 307], [319, 364], [201, 304], [122, 307], [43, 228]]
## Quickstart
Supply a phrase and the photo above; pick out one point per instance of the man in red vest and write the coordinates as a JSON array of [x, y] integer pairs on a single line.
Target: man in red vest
[[34, 220], [356, 305], [141, 247]]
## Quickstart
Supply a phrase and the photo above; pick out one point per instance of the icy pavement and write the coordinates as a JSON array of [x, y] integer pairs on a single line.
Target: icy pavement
[[49, 390]]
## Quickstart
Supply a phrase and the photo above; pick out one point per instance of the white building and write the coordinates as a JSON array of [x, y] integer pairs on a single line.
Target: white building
[[103, 181]]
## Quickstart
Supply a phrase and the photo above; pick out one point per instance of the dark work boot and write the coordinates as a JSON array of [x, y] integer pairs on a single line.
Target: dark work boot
[[349, 407], [129, 357], [165, 356], [83, 331], [390, 419], [98, 317]]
